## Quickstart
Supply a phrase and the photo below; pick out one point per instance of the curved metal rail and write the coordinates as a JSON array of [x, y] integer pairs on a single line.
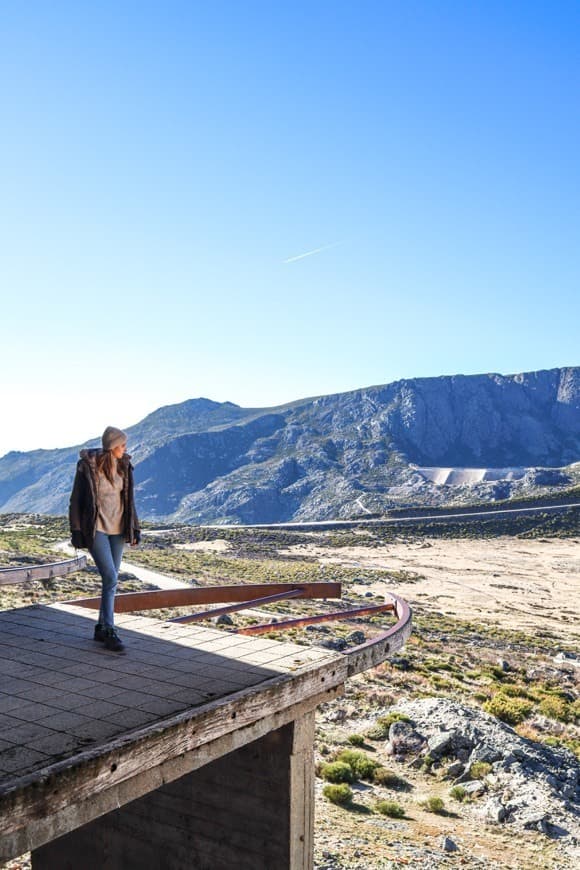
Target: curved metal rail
[[372, 652], [248, 594], [42, 572], [365, 655]]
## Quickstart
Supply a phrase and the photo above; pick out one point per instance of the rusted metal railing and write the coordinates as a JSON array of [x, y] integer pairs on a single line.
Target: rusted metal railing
[[247, 596]]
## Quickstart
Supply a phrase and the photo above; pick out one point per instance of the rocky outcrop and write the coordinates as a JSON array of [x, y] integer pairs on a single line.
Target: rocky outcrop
[[333, 456], [529, 785]]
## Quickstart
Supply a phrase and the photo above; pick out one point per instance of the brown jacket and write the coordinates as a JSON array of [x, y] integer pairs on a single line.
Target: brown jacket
[[83, 501]]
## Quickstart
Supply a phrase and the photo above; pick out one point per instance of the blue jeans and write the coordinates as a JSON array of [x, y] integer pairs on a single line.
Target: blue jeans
[[107, 551]]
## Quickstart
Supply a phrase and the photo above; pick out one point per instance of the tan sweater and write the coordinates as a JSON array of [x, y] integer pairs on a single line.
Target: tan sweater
[[110, 504]]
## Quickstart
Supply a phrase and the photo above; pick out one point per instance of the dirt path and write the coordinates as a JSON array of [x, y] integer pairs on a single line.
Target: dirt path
[[162, 581], [516, 583]]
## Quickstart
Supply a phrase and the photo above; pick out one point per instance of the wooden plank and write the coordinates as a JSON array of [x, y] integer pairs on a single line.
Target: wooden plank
[[42, 572], [130, 601]]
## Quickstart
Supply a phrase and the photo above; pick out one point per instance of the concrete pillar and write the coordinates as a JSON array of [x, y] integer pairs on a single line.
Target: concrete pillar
[[250, 810]]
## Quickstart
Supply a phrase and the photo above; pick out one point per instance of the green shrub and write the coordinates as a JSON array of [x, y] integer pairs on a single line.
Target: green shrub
[[337, 771], [433, 804], [458, 793], [514, 691], [555, 707], [338, 794], [386, 777], [428, 762], [510, 710], [361, 765], [571, 743], [440, 682], [479, 769], [356, 739], [390, 808]]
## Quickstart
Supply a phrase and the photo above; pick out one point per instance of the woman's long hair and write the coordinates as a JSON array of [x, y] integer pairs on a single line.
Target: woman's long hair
[[107, 464]]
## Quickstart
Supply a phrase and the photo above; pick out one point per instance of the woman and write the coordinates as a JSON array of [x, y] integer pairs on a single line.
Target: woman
[[103, 518]]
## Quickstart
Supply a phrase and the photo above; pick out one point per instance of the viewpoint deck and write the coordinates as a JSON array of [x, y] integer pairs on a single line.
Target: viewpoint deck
[[153, 744]]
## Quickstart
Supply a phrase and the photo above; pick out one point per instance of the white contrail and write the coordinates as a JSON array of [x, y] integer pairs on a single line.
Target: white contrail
[[315, 251]]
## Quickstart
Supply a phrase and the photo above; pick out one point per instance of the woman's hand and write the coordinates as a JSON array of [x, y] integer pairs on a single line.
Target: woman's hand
[[77, 539]]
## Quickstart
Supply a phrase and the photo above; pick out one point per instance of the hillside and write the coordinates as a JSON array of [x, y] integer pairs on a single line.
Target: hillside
[[423, 441]]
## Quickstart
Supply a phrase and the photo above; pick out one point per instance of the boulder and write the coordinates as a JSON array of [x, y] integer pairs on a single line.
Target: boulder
[[455, 769], [474, 788], [485, 752], [439, 744], [403, 738], [495, 810]]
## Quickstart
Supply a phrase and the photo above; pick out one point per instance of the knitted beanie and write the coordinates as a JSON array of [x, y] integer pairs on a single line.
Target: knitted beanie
[[112, 437]]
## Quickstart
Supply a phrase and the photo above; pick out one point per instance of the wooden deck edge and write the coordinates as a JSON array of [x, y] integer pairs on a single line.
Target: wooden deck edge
[[373, 652], [57, 799]]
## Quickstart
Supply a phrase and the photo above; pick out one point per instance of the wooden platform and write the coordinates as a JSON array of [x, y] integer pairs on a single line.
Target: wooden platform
[[84, 731]]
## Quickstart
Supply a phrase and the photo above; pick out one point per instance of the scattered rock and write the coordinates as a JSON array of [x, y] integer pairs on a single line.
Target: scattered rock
[[484, 752], [224, 619], [337, 643], [504, 665], [399, 662], [355, 638], [474, 788], [449, 845], [567, 658], [454, 769], [539, 823], [495, 810], [531, 785], [338, 715]]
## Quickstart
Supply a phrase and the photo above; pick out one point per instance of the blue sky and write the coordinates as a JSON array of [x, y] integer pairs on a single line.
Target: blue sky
[[160, 164]]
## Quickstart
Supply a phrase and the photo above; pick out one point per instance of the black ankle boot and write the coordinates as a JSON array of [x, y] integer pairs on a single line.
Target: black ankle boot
[[112, 640]]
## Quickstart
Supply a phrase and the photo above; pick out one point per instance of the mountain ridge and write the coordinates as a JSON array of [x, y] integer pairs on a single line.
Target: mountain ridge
[[332, 455]]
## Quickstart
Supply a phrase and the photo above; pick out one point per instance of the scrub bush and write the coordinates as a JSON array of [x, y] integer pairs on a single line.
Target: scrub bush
[[338, 794], [361, 765], [391, 809], [337, 771]]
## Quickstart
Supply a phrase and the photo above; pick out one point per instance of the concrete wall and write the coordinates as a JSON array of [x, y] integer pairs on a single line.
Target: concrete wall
[[250, 810]]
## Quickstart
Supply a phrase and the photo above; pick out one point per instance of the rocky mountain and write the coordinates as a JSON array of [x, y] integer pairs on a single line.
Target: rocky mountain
[[416, 441]]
